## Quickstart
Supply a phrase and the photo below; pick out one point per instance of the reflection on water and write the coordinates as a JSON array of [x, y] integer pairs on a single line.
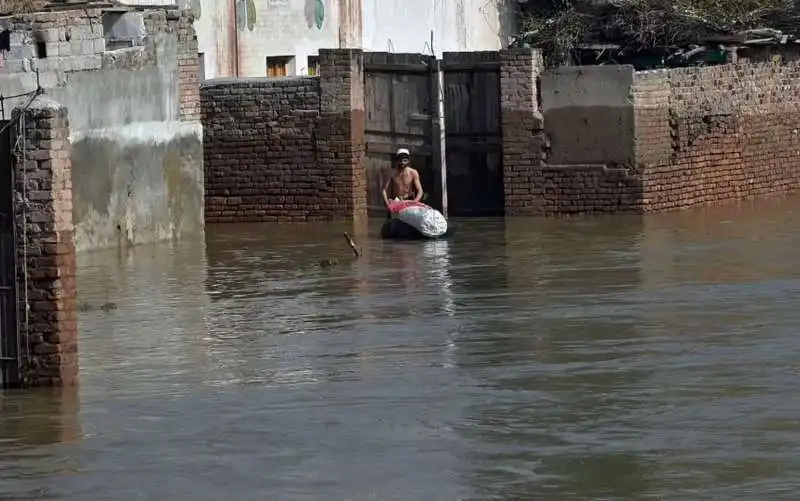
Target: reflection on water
[[33, 427], [619, 358]]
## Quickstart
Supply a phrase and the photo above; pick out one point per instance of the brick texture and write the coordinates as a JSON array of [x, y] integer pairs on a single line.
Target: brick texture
[[288, 150], [702, 136], [260, 155], [523, 131], [717, 134], [532, 185], [341, 144], [46, 249], [189, 68]]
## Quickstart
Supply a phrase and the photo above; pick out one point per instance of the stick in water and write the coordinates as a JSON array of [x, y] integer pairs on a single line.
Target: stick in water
[[352, 244]]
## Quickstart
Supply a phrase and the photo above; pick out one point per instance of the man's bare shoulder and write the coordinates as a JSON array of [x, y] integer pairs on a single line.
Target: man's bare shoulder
[[414, 172]]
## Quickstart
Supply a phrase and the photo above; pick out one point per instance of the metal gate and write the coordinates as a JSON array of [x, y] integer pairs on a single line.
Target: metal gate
[[9, 327]]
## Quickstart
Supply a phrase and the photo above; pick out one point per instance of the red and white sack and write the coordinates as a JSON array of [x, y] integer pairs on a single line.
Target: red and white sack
[[424, 218]]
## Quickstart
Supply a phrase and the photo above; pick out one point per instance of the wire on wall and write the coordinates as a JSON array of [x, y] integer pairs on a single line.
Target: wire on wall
[[20, 152]]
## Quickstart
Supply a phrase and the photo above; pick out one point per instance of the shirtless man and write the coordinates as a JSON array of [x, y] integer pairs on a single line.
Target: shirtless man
[[404, 182]]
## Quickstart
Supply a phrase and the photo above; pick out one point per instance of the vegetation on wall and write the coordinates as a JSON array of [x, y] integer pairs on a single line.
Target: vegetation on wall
[[559, 26]]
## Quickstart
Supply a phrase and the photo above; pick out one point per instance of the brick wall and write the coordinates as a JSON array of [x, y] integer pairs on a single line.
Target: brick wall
[[701, 136], [717, 134], [523, 131], [260, 156], [533, 186], [46, 248], [689, 137], [189, 68], [341, 145], [286, 150]]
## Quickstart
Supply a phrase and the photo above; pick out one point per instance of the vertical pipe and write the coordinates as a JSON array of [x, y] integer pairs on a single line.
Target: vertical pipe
[[233, 27], [442, 127]]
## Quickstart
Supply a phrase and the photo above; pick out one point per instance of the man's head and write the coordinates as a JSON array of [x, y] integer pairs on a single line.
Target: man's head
[[402, 159]]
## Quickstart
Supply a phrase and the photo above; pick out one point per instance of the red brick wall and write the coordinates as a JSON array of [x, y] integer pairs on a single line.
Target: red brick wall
[[46, 250], [287, 150], [341, 145], [717, 134], [523, 131], [260, 155]]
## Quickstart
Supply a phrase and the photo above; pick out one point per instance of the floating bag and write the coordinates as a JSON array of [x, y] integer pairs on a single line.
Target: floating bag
[[424, 218]]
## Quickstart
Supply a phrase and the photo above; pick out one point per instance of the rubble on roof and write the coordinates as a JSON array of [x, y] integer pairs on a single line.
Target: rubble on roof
[[647, 36]]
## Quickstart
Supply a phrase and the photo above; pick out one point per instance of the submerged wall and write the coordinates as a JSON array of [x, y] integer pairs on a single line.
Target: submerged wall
[[574, 141], [46, 289], [286, 149], [715, 134], [134, 118], [624, 141]]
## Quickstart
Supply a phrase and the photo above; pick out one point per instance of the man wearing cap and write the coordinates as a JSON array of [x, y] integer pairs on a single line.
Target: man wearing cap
[[404, 182]]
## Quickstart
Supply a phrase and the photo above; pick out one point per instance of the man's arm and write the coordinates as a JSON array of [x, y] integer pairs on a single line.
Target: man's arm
[[417, 187], [385, 191]]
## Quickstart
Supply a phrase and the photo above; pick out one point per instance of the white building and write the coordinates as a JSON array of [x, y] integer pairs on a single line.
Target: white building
[[250, 38]]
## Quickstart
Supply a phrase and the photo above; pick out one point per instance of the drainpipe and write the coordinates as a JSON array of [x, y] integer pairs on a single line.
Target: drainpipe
[[233, 32]]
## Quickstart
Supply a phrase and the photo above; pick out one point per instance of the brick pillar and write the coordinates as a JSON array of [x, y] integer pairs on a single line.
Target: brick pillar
[[523, 130], [188, 68], [340, 140], [43, 205]]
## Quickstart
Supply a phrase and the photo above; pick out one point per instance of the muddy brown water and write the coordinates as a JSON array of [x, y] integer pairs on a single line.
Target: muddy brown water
[[618, 358]]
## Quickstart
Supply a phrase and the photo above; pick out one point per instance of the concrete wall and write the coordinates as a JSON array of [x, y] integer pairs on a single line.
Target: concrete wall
[[588, 114], [214, 22], [216, 36], [135, 130], [458, 25], [284, 28], [240, 35]]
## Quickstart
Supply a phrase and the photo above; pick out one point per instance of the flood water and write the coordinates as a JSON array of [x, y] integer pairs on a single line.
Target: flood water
[[619, 358]]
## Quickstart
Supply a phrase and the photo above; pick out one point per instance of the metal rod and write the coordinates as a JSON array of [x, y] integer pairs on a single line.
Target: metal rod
[[233, 27], [442, 135]]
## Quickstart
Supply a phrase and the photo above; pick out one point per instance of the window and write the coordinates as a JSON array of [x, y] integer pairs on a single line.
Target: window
[[278, 66], [201, 66], [313, 66]]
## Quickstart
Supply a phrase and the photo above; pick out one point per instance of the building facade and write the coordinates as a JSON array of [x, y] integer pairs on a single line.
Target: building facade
[[254, 38]]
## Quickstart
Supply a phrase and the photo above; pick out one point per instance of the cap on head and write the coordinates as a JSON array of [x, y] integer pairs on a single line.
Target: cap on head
[[402, 152]]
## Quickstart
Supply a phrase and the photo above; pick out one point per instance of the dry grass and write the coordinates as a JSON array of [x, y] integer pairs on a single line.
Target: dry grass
[[21, 6], [644, 24]]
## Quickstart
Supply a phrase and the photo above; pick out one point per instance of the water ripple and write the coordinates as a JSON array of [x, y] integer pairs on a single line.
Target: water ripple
[[601, 358]]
